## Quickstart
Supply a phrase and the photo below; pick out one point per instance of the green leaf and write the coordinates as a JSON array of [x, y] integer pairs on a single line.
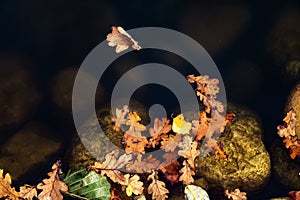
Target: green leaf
[[87, 185]]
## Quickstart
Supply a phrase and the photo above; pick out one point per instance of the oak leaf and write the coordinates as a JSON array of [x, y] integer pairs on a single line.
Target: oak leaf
[[28, 192], [170, 143], [134, 122], [5, 187], [112, 165], [189, 150], [201, 127], [236, 195], [120, 38], [157, 188], [114, 195], [186, 174], [134, 186], [159, 131], [170, 172], [143, 165], [135, 142], [121, 117], [52, 187]]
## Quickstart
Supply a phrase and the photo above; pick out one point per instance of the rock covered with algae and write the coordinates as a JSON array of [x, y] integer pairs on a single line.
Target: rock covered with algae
[[294, 103], [247, 166], [79, 156]]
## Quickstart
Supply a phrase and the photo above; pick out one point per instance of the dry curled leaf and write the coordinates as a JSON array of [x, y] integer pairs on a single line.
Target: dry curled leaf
[[236, 195], [187, 173], [134, 186], [157, 188], [111, 167], [52, 187], [28, 192], [121, 39], [5, 187], [145, 165]]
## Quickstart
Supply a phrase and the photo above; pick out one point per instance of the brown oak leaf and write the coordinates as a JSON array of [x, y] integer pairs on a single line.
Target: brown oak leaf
[[120, 38], [236, 195], [186, 174], [121, 117], [111, 167], [5, 187], [28, 192], [145, 165], [52, 187], [134, 122], [189, 150], [159, 131], [170, 143], [157, 188], [200, 128]]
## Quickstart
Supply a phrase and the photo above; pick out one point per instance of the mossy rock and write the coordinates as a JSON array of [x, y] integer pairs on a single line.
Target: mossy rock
[[78, 156], [247, 166], [286, 170], [294, 103]]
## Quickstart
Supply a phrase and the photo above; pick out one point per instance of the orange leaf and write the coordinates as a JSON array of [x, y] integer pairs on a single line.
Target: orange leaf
[[159, 131], [170, 143], [5, 187], [143, 165], [28, 192]]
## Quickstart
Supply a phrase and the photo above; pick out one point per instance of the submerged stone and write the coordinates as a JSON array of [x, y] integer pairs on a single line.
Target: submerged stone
[[286, 170], [247, 166], [78, 155], [283, 42], [19, 94], [30, 150], [294, 103]]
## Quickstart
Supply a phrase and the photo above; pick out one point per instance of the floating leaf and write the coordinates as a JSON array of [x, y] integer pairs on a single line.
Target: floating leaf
[[121, 117], [52, 186], [28, 192], [143, 165], [135, 186], [187, 174], [189, 150], [5, 187], [157, 188], [159, 131], [181, 126], [111, 166], [87, 185], [236, 195], [120, 38], [193, 192], [170, 143]]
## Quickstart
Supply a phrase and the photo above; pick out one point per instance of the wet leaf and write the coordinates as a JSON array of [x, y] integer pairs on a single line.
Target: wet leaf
[[236, 195], [28, 192], [87, 185], [145, 165], [121, 117], [189, 150]]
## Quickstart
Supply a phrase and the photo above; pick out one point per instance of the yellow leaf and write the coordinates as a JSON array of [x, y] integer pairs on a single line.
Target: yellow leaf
[[134, 186], [181, 126]]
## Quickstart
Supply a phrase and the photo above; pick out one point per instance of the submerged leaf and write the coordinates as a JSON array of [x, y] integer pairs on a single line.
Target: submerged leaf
[[87, 185]]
